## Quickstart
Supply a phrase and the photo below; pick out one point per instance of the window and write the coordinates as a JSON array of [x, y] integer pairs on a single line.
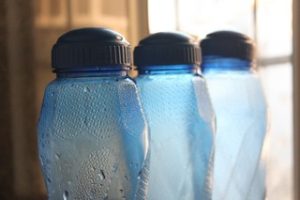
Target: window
[[50, 13], [269, 23]]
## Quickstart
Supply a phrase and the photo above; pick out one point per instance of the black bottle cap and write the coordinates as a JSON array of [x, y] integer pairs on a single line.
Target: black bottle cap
[[90, 47], [228, 44], [166, 48]]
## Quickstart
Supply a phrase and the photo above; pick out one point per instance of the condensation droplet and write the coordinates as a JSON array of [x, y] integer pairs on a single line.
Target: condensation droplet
[[126, 177], [140, 173], [86, 89], [49, 180], [101, 175], [105, 196], [65, 195], [114, 168], [86, 121], [57, 156]]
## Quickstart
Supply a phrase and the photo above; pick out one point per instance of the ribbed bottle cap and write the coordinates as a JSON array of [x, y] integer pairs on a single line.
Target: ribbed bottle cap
[[166, 48], [89, 47], [228, 44]]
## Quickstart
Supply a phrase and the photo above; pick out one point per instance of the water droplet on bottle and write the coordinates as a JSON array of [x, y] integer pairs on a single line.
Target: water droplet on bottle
[[101, 175], [126, 177], [86, 89], [114, 168], [86, 121], [57, 156], [105, 196], [65, 195], [48, 180]]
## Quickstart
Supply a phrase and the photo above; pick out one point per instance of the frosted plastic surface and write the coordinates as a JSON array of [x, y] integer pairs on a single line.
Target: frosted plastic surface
[[93, 140], [240, 109], [258, 188], [181, 123]]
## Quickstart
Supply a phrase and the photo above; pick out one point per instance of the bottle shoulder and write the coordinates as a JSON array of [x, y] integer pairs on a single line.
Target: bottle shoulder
[[168, 77], [99, 81], [90, 89], [240, 92], [115, 99], [230, 73]]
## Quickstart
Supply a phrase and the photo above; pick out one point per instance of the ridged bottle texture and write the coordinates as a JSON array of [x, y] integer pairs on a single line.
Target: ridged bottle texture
[[180, 118], [93, 137], [238, 100]]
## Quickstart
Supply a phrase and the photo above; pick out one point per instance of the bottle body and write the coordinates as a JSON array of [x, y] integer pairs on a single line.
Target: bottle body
[[241, 112], [93, 139], [180, 119]]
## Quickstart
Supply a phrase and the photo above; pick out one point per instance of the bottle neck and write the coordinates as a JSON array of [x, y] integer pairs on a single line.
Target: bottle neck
[[225, 64], [101, 71], [167, 69]]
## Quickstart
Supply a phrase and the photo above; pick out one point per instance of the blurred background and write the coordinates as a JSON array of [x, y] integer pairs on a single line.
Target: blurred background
[[29, 28]]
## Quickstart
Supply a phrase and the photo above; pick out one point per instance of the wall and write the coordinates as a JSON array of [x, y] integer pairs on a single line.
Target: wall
[[296, 82]]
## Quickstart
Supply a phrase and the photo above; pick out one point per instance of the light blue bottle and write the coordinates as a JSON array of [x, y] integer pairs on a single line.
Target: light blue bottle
[[93, 138], [180, 117], [241, 111]]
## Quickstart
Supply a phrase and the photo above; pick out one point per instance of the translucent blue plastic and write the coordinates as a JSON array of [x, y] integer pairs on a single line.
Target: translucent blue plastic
[[93, 138], [181, 123], [240, 107]]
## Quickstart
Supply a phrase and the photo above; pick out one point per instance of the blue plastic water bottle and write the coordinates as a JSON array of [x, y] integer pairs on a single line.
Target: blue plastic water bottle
[[179, 114], [237, 96], [93, 138]]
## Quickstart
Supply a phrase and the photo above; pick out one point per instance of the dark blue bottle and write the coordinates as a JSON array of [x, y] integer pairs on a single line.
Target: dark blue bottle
[[179, 114], [241, 111], [93, 139]]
